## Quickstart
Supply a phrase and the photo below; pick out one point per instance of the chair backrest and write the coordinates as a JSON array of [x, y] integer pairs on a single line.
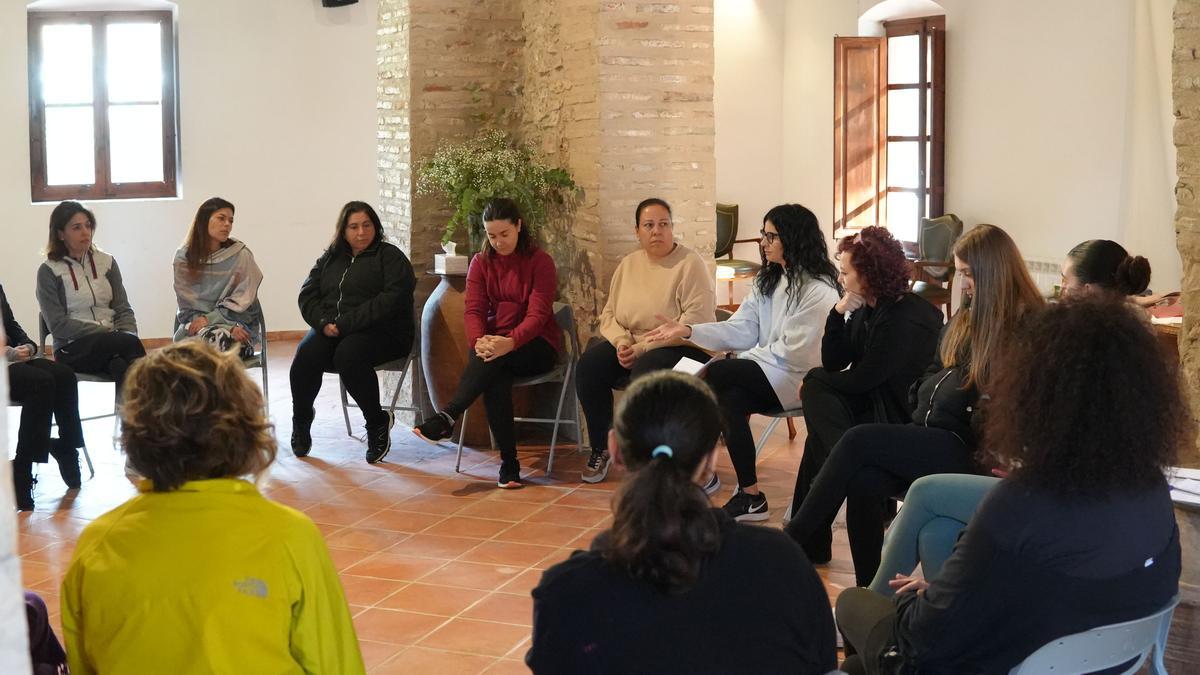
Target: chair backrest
[[43, 333], [564, 316], [727, 229], [1102, 647], [935, 241]]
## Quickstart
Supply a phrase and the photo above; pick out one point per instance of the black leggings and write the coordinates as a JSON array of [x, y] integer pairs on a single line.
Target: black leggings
[[493, 379], [44, 388], [107, 354], [874, 462], [353, 357], [742, 389], [600, 372], [828, 414]]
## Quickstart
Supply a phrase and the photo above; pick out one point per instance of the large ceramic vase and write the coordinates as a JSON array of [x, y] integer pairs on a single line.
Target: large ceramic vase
[[444, 352]]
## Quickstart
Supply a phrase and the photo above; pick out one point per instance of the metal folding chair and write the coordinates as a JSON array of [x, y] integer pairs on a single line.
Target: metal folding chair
[[563, 372]]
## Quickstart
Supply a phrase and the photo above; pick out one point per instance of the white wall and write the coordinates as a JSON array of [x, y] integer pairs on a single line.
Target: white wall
[[748, 47], [277, 114], [1058, 122], [773, 99], [808, 101]]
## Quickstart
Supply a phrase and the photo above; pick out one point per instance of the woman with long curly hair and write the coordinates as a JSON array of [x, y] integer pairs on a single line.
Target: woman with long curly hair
[[657, 590], [200, 572], [879, 338], [873, 462], [777, 334], [1081, 533]]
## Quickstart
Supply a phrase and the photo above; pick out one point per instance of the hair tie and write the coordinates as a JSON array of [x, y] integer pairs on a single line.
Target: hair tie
[[662, 451]]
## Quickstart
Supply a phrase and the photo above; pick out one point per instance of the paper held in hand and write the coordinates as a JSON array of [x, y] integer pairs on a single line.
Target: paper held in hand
[[692, 366]]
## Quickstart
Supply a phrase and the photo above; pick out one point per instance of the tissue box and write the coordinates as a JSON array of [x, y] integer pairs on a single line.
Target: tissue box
[[449, 264]]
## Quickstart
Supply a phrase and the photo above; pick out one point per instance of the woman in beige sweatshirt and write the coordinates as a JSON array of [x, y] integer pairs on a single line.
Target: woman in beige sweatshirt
[[662, 278]]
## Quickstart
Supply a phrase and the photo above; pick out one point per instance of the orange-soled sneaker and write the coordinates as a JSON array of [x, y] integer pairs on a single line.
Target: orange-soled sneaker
[[436, 428]]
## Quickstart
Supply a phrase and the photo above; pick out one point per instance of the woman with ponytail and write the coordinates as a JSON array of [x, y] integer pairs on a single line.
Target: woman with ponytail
[[665, 589], [1100, 266]]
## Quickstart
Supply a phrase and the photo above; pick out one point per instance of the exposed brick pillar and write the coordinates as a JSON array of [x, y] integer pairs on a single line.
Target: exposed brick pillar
[[622, 94], [1186, 93]]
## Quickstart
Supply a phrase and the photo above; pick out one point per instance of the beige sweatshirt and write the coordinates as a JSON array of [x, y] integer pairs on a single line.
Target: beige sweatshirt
[[678, 286]]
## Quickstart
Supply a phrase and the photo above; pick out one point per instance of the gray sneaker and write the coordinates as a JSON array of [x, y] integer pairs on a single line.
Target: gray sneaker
[[597, 467]]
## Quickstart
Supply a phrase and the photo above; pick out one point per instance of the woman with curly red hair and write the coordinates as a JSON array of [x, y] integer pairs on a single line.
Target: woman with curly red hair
[[879, 338]]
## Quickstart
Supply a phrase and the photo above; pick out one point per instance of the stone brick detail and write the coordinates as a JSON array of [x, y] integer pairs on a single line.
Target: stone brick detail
[[1186, 95], [620, 93]]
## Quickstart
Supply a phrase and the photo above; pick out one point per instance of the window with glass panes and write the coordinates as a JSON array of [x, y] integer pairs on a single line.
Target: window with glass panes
[[102, 111], [915, 123]]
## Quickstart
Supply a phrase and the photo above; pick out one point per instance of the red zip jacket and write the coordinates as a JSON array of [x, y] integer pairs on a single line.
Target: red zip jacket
[[512, 295]]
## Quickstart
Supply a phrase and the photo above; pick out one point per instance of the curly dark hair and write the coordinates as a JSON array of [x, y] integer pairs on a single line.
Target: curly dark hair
[[663, 526], [804, 250], [879, 258], [1085, 401], [192, 413]]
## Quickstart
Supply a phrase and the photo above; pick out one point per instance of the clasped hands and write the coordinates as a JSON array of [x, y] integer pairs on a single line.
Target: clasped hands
[[492, 347], [240, 334], [905, 584]]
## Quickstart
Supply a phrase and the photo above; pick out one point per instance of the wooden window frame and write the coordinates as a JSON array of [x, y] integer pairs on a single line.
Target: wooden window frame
[[932, 178], [103, 187]]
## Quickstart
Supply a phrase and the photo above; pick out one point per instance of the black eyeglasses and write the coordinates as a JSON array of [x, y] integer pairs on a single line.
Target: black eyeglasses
[[769, 237]]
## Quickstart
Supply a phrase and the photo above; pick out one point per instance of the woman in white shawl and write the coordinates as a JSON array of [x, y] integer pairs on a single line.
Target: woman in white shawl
[[776, 333], [216, 281]]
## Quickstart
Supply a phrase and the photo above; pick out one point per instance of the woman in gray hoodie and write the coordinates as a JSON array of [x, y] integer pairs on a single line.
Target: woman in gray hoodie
[[216, 281], [83, 300]]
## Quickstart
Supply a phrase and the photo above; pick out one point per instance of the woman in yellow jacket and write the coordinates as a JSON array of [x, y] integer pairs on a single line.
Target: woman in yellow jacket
[[200, 573]]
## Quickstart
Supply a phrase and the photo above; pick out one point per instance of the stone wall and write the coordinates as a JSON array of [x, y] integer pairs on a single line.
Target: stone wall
[[621, 93], [447, 68], [1186, 92]]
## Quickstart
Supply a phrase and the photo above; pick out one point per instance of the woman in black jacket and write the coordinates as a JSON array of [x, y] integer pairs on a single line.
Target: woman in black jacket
[[872, 462], [42, 388], [358, 299], [1080, 534], [878, 340]]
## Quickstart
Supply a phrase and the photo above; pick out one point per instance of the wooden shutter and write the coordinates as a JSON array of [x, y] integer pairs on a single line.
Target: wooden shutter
[[859, 133]]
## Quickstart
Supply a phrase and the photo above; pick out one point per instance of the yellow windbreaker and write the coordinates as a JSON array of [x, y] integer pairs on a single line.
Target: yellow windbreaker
[[210, 578]]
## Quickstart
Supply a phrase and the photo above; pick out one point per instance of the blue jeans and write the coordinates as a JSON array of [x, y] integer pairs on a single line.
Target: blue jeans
[[936, 509]]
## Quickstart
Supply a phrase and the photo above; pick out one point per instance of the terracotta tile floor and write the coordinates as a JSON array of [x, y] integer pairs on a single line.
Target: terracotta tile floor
[[437, 566]]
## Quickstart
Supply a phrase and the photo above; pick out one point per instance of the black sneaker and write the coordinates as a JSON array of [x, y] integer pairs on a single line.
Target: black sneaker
[[744, 506], [301, 435], [510, 475], [379, 439], [68, 463], [713, 484], [436, 428], [597, 467]]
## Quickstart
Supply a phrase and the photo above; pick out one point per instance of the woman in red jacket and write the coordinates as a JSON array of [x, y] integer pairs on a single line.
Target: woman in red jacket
[[510, 325]]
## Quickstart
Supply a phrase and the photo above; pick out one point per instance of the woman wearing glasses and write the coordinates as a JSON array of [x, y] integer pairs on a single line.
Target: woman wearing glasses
[[777, 334], [681, 289]]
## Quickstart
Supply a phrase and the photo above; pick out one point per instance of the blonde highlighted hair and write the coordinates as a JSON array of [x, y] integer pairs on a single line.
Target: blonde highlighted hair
[[191, 413], [1004, 292]]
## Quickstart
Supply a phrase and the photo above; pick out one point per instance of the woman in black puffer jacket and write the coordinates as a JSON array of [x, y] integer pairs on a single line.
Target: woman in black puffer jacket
[[878, 461], [358, 299]]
